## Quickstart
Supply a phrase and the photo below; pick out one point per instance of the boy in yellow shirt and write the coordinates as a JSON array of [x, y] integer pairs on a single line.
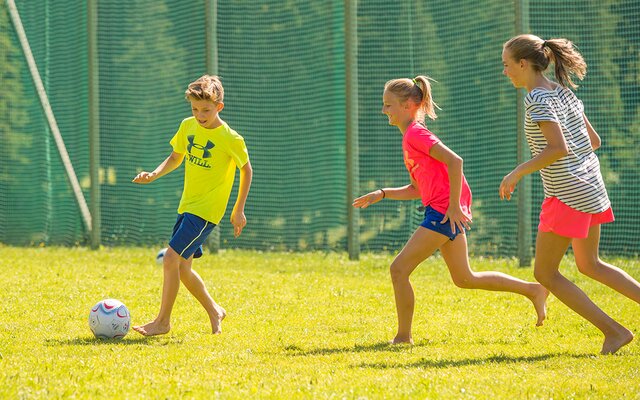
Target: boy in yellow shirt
[[213, 151]]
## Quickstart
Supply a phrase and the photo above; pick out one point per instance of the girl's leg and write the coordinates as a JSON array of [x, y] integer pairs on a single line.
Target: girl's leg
[[455, 254], [421, 245], [550, 249], [194, 283], [590, 264], [170, 286]]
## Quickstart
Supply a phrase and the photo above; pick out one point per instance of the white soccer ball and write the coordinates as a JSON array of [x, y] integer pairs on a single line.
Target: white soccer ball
[[160, 256], [109, 319]]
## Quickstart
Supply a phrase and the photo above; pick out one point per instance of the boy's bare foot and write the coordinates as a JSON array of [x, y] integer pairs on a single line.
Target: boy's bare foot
[[539, 300], [613, 343], [152, 329], [401, 340], [216, 320]]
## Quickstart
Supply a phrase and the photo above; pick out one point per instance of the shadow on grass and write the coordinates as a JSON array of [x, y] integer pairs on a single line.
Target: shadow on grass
[[381, 346], [91, 341], [495, 359]]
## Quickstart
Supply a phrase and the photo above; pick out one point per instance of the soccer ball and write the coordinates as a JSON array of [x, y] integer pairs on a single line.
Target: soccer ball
[[109, 319], [160, 256]]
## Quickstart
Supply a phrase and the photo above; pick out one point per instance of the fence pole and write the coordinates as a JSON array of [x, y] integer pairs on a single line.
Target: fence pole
[[524, 188], [211, 51], [94, 122], [351, 96], [48, 112]]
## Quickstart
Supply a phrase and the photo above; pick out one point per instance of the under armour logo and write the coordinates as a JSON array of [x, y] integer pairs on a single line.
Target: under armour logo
[[433, 223], [205, 149]]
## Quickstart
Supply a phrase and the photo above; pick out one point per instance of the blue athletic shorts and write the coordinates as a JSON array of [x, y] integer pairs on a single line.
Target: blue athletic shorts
[[189, 233], [432, 219]]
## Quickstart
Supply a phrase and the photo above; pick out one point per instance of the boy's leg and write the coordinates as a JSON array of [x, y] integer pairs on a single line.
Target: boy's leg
[[421, 245], [170, 286], [456, 256], [550, 249], [590, 264], [194, 283]]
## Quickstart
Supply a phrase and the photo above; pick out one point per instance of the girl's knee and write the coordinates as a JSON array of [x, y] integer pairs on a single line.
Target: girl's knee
[[544, 277], [588, 266], [398, 271], [464, 281]]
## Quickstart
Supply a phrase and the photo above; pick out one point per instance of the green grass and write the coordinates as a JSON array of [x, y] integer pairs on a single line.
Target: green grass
[[309, 325]]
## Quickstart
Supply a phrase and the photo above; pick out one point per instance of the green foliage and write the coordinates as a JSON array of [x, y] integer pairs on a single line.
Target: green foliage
[[282, 64], [311, 325]]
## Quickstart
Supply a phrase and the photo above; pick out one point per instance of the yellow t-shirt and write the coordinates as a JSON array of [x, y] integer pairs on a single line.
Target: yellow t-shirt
[[211, 158]]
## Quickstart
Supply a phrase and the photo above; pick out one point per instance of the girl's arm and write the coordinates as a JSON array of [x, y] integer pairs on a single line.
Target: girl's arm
[[169, 164], [454, 214], [238, 219], [593, 135], [408, 192], [556, 149]]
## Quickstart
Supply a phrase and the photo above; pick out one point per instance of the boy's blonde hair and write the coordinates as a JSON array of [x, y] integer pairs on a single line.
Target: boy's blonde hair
[[418, 90], [207, 87]]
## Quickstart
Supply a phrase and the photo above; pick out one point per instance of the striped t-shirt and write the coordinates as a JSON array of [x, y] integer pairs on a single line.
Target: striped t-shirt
[[575, 179]]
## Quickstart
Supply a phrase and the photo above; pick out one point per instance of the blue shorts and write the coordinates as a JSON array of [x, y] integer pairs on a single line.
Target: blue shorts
[[432, 219], [189, 233]]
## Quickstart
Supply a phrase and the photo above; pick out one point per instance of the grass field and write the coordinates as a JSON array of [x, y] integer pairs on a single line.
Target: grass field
[[308, 325]]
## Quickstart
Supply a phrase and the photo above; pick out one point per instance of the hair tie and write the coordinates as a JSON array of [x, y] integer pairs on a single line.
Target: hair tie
[[414, 81], [544, 43]]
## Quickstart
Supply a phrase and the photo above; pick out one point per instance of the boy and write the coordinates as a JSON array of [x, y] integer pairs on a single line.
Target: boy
[[213, 151]]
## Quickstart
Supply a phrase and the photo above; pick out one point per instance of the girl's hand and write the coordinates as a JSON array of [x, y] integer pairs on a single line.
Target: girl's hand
[[239, 221], [144, 178], [458, 220], [368, 199], [508, 185]]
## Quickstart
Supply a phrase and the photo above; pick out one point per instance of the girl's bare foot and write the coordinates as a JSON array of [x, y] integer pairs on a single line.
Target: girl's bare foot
[[539, 300], [216, 320], [152, 329], [613, 343]]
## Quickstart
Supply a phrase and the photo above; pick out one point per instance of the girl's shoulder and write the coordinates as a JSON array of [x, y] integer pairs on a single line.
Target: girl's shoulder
[[418, 128], [540, 95], [419, 133]]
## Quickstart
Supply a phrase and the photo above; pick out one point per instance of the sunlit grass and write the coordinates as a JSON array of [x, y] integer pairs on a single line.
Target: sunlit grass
[[299, 325]]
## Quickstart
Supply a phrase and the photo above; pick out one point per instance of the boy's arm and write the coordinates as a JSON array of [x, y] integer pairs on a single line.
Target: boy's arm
[[238, 219], [169, 164]]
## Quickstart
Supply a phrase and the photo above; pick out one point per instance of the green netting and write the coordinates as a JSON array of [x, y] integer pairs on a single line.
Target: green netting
[[283, 68]]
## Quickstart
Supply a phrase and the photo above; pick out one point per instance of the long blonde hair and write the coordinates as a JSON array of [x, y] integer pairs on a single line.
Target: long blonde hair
[[540, 53], [417, 90]]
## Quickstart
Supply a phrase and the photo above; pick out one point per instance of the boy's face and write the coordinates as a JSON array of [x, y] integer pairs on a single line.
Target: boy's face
[[206, 112]]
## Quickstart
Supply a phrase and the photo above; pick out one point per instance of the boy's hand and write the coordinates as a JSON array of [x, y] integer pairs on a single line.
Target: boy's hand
[[144, 177], [238, 220]]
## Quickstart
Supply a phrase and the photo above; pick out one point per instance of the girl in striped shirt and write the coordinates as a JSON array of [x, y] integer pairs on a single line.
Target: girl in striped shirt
[[436, 177], [562, 143]]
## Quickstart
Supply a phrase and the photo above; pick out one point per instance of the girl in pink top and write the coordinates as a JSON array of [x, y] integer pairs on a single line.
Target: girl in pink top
[[436, 178]]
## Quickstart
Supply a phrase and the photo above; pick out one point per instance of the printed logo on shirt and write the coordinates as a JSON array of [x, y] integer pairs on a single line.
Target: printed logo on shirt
[[205, 149], [201, 162], [410, 163]]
